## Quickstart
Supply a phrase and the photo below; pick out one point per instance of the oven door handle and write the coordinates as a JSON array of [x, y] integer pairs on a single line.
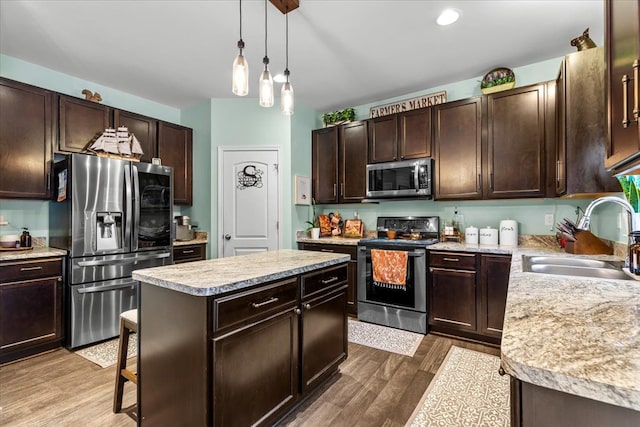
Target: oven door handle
[[411, 254], [94, 289]]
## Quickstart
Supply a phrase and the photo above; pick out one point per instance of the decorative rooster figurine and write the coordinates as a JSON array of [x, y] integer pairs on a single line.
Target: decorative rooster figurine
[[95, 97]]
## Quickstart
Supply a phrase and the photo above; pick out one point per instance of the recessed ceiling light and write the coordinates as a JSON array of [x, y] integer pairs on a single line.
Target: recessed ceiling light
[[448, 16], [279, 78]]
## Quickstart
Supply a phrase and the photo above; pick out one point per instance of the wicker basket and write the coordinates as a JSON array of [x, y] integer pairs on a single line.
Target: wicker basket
[[499, 88]]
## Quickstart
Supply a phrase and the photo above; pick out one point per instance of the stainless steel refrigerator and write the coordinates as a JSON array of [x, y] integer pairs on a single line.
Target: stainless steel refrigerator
[[113, 217]]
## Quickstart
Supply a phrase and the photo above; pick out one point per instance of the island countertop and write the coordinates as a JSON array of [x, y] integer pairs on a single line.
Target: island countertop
[[578, 335], [221, 275]]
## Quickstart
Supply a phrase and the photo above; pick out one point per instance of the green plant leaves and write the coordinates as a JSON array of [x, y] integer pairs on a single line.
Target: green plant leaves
[[347, 115], [631, 189]]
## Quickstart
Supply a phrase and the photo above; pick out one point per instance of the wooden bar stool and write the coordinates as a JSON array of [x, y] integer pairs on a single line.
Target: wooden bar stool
[[128, 324]]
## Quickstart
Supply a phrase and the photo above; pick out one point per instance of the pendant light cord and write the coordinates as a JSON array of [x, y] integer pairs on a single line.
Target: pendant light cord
[[240, 42], [286, 66], [265, 61]]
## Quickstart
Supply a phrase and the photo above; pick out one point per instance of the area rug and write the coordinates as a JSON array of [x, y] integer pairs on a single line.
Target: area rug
[[383, 338], [106, 353], [466, 391]]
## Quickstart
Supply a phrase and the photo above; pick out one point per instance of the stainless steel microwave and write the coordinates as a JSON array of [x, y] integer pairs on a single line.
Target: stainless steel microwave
[[407, 178]]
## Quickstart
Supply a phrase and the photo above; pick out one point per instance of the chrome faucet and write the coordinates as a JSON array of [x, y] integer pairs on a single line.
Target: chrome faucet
[[586, 219]]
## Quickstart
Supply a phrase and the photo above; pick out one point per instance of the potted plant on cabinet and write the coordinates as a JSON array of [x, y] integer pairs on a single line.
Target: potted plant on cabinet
[[339, 117]]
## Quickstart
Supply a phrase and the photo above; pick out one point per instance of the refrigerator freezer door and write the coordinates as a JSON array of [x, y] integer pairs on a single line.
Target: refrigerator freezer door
[[153, 207]]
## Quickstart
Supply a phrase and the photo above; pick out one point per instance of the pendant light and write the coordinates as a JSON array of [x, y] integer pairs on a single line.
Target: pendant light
[[266, 82], [240, 84], [286, 94]]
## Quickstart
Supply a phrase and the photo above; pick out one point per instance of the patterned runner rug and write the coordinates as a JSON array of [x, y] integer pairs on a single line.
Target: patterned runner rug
[[383, 338], [466, 391], [106, 353]]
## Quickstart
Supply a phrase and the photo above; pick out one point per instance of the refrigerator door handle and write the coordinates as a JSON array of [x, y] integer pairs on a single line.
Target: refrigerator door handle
[[127, 202], [94, 289], [122, 261], [136, 203]]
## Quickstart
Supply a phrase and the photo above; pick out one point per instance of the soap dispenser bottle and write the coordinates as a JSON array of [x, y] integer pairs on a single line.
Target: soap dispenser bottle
[[25, 238]]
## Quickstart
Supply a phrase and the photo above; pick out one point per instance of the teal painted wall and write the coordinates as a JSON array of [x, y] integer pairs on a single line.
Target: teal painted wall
[[198, 117]]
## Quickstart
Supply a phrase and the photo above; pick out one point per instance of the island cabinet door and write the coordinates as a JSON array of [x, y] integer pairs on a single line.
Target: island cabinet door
[[255, 376], [324, 335]]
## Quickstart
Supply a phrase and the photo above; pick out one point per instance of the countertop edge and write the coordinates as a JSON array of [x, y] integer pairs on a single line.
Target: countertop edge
[[35, 253], [240, 284]]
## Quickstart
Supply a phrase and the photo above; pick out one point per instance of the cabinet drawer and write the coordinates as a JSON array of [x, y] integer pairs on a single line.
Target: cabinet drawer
[[255, 304], [27, 270], [455, 260], [321, 280], [188, 253], [339, 249]]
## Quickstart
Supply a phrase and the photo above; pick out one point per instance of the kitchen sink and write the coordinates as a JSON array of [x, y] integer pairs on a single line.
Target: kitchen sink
[[575, 267]]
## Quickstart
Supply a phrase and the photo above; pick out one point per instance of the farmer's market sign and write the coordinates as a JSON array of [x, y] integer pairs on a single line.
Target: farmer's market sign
[[409, 104]]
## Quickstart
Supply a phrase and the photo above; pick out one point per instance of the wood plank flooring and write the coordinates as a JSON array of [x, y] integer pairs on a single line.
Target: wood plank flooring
[[374, 388]]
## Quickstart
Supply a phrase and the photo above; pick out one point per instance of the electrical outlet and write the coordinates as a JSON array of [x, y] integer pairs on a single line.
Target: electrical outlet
[[548, 219]]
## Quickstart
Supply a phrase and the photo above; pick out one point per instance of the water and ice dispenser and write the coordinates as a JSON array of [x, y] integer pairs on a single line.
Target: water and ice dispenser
[[108, 230]]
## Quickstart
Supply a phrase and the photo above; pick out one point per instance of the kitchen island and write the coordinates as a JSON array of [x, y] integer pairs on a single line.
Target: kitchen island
[[239, 340]]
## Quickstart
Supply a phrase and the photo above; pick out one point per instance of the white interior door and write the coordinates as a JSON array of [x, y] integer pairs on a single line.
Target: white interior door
[[249, 206]]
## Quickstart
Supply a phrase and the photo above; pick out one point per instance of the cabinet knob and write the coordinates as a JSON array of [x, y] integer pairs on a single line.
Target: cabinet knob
[[501, 371], [307, 306], [297, 311]]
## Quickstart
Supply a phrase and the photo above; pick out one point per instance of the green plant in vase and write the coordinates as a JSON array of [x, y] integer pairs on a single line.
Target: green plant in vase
[[314, 224], [341, 116]]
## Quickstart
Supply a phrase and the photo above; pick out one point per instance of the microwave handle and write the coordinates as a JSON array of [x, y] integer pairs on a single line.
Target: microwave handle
[[416, 177]]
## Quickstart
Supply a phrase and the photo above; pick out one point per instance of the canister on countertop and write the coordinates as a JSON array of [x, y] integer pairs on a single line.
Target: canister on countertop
[[471, 235], [508, 232], [488, 236], [25, 238]]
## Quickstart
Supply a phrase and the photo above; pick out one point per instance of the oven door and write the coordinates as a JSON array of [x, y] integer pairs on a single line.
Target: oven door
[[412, 297]]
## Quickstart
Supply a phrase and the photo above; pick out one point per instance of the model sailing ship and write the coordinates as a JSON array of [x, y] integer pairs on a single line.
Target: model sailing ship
[[117, 144]]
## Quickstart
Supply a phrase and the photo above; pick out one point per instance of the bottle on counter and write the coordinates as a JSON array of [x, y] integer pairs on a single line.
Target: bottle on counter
[[25, 238]]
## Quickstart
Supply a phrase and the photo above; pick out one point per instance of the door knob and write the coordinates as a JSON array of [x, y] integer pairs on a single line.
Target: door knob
[[227, 237]]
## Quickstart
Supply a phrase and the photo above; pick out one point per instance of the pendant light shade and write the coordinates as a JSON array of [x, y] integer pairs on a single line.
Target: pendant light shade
[[266, 82], [240, 84], [286, 94]]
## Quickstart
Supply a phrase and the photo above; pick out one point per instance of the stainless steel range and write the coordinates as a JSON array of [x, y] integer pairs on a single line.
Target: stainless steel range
[[403, 304]]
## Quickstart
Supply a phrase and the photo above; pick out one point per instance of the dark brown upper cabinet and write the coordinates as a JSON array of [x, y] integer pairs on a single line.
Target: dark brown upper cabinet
[[415, 134], [175, 149], [582, 118], [26, 130], [383, 139], [516, 143], [401, 136], [80, 122], [144, 128], [339, 163], [458, 145], [622, 37]]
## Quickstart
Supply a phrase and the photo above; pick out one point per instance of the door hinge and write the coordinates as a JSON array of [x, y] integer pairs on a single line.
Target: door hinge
[[277, 225], [275, 166]]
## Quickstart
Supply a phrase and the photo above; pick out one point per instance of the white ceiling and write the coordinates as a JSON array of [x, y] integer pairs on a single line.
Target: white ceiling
[[341, 52]]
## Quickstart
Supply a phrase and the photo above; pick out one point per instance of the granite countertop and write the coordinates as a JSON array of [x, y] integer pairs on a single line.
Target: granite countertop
[[578, 335], [42, 252], [200, 238], [221, 275]]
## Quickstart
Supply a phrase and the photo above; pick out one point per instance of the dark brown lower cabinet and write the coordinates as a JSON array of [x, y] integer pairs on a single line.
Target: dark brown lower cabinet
[[536, 406], [352, 274], [30, 307], [242, 358], [188, 253], [256, 371], [467, 294]]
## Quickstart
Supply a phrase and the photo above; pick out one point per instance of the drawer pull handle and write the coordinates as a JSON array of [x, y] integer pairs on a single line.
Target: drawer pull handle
[[263, 303], [451, 259], [190, 251], [331, 280], [30, 268], [327, 250]]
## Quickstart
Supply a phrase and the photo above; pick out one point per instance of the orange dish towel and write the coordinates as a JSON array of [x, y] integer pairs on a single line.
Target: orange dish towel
[[389, 268]]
